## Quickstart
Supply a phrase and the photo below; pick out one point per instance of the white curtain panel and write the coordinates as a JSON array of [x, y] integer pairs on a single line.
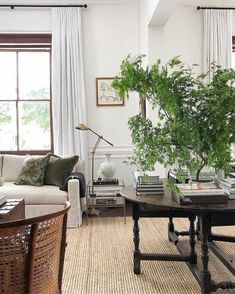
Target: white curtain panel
[[68, 93], [217, 37], [218, 41]]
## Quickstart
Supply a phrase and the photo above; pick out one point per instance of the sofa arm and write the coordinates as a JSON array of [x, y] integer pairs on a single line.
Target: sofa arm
[[78, 205]]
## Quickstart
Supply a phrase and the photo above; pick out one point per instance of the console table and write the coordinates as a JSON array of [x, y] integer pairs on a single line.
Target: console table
[[208, 215]]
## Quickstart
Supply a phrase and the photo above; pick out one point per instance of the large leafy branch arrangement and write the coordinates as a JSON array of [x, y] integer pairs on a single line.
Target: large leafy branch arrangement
[[195, 118]]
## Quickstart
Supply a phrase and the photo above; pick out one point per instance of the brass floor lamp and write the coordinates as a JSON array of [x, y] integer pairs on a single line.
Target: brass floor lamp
[[83, 127]]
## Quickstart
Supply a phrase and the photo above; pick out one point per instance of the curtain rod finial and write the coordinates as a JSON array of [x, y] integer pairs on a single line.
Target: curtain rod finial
[[85, 6]]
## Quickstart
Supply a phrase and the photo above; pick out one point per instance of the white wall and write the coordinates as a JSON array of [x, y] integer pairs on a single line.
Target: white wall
[[110, 33], [25, 20], [146, 10], [182, 35]]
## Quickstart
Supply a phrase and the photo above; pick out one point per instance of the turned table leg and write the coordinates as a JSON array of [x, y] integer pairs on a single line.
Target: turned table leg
[[171, 227], [205, 275], [136, 238], [192, 242]]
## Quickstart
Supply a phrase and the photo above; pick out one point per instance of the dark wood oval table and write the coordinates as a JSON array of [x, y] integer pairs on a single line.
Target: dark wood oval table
[[208, 215]]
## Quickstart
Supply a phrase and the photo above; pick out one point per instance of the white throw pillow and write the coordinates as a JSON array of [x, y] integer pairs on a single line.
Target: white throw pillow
[[11, 166]]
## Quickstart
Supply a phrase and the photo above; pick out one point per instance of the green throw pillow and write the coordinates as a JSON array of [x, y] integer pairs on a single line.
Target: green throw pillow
[[33, 171], [59, 169]]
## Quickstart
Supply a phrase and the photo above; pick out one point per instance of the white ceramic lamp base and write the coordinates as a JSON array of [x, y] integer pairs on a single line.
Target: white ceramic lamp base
[[107, 168]]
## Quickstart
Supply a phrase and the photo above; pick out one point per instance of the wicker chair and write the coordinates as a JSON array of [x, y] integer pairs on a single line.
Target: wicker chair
[[32, 254]]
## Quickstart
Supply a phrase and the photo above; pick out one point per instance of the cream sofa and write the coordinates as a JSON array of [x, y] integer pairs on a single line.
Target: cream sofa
[[43, 199]]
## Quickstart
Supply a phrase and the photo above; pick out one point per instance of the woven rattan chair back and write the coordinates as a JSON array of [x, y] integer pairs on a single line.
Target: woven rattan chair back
[[32, 254]]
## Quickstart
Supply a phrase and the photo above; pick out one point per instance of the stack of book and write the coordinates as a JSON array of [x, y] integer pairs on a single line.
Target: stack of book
[[228, 186], [148, 184], [172, 174], [199, 194], [231, 174], [3, 199], [205, 176]]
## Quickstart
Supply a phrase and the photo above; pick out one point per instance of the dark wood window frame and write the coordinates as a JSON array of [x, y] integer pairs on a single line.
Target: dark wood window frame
[[233, 43], [31, 43]]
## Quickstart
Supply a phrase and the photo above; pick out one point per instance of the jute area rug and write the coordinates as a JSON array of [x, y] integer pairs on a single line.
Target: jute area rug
[[99, 259]]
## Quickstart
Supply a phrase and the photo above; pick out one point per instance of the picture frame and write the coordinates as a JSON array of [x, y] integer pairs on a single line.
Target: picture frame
[[106, 95]]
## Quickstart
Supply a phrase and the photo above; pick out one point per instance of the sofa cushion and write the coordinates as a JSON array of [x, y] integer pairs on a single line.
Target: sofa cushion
[[59, 169], [34, 195], [33, 171], [11, 166]]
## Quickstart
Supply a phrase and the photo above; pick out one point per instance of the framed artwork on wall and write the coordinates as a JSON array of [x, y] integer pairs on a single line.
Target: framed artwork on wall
[[106, 95]]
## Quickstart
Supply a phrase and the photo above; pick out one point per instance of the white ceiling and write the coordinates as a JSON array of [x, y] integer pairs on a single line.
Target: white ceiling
[[164, 8]]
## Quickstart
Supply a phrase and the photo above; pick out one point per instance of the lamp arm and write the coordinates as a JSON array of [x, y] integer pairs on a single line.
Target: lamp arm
[[101, 137], [96, 145]]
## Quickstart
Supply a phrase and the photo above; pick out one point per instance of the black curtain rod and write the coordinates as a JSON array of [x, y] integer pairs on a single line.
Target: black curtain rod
[[22, 5], [223, 8]]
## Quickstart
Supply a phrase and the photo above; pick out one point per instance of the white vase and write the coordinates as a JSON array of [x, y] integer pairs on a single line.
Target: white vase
[[107, 167]]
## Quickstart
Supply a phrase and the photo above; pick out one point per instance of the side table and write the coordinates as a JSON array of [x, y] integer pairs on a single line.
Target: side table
[[106, 196]]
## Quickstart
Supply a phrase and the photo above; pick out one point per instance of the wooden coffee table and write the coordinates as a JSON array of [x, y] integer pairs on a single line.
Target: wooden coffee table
[[208, 215], [11, 210]]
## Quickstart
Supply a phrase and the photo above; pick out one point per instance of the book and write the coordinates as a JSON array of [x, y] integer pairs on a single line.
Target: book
[[199, 194], [106, 194], [205, 189], [148, 177], [100, 181], [172, 175], [141, 193], [105, 201], [148, 185], [232, 175], [231, 196], [3, 199], [230, 191], [199, 199], [106, 188], [230, 182], [205, 176], [149, 190]]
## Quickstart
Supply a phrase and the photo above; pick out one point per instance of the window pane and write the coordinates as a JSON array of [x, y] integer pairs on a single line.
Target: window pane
[[34, 75], [34, 125], [8, 126], [7, 75]]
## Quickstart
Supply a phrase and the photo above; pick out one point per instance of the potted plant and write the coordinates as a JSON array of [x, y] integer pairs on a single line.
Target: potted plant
[[195, 118]]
